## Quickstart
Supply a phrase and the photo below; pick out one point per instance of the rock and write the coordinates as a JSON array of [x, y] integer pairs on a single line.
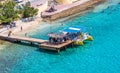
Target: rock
[[1, 42]]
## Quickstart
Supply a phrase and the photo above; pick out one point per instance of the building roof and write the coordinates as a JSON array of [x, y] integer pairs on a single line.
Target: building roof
[[74, 29]]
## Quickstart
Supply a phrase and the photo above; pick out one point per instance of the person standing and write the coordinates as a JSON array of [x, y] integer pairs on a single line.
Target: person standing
[[21, 28], [9, 34], [41, 14]]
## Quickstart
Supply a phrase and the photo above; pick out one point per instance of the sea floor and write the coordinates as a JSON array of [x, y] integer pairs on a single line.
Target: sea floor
[[102, 55]]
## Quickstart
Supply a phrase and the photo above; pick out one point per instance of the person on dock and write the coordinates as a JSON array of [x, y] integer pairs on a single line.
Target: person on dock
[[9, 34]]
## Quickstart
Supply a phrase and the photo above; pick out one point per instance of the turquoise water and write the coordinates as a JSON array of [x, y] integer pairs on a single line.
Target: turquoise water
[[100, 56]]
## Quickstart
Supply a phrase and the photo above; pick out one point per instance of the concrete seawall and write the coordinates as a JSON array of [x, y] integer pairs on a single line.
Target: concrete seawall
[[76, 9]]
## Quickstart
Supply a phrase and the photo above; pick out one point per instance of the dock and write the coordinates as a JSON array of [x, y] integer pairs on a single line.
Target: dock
[[56, 47], [20, 38], [43, 44]]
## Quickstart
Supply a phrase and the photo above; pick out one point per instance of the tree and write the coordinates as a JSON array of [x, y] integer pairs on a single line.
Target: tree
[[8, 12], [0, 5], [29, 11]]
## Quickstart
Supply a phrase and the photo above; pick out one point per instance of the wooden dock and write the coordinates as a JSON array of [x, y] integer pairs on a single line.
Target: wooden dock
[[55, 47], [43, 44], [19, 38]]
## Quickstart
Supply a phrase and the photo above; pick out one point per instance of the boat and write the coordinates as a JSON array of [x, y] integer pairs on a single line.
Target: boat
[[76, 34], [80, 34]]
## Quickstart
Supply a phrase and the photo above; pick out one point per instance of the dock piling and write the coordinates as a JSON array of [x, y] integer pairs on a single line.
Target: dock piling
[[31, 43], [58, 50]]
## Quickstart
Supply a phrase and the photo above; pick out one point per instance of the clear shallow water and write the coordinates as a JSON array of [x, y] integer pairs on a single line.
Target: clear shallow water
[[100, 56]]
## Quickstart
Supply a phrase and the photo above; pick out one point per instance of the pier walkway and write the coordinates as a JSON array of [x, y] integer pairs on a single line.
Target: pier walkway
[[19, 38], [43, 44]]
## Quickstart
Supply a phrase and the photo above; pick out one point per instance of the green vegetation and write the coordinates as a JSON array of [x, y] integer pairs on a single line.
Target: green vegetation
[[9, 13], [29, 11]]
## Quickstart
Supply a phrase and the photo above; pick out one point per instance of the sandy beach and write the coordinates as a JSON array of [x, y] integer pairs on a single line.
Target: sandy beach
[[26, 27], [23, 27]]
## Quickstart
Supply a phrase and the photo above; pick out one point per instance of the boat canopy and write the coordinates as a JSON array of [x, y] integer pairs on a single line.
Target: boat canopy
[[54, 35], [74, 29]]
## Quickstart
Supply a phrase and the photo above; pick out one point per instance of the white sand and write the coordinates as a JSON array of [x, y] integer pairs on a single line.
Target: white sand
[[26, 26]]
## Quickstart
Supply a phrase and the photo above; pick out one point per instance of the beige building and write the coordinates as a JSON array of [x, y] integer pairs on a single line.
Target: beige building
[[65, 1]]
